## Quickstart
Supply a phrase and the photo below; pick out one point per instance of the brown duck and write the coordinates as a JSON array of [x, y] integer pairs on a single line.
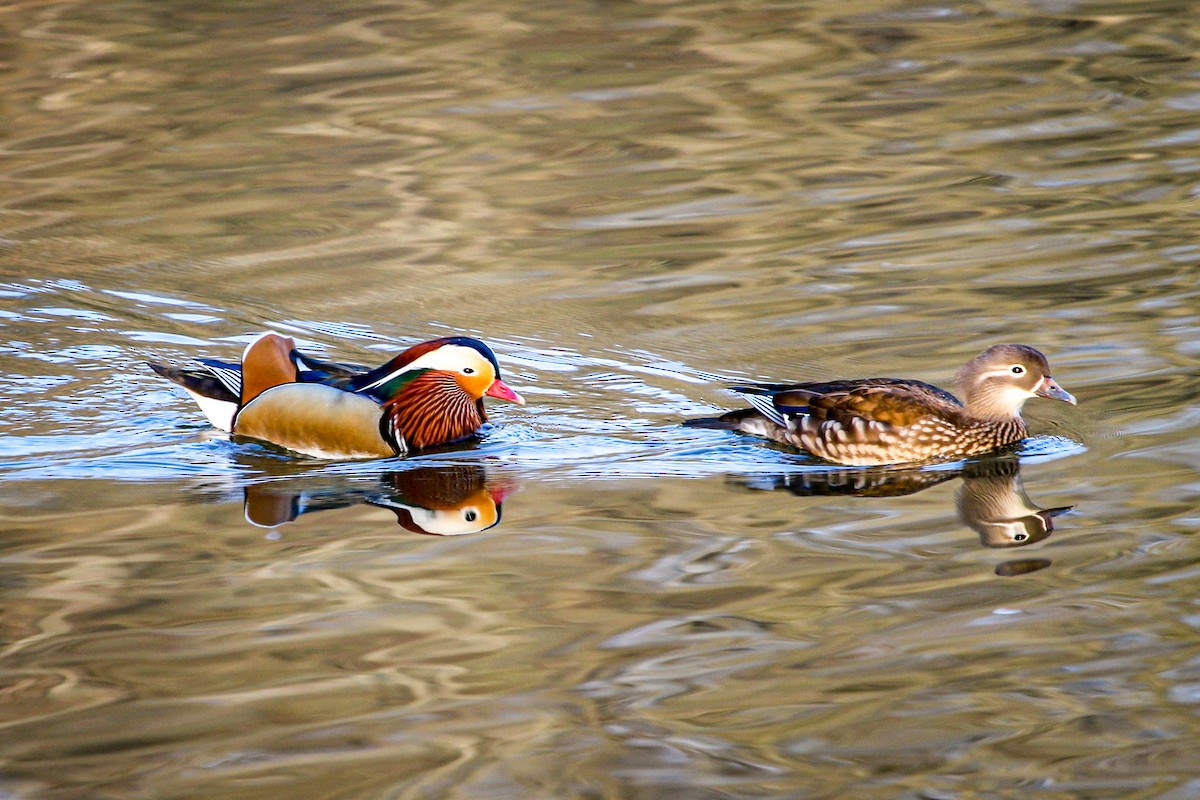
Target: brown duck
[[875, 421]]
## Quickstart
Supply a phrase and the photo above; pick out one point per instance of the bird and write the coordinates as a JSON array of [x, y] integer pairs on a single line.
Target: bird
[[882, 421], [429, 395]]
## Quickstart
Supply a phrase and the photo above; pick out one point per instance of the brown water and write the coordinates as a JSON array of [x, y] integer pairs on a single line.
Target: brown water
[[631, 202]]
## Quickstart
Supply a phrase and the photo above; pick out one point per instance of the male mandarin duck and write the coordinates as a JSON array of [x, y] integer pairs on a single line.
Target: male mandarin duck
[[429, 395], [876, 421]]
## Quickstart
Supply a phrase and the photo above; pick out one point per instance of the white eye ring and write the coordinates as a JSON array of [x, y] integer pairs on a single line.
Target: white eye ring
[[1018, 369], [468, 370]]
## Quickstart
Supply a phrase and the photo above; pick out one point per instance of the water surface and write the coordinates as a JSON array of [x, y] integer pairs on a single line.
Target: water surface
[[635, 204]]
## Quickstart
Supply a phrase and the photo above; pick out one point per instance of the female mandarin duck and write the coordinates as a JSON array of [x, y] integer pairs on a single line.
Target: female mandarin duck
[[876, 421], [429, 395]]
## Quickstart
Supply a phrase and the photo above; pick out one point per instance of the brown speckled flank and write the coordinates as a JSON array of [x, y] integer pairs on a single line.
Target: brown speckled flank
[[875, 421]]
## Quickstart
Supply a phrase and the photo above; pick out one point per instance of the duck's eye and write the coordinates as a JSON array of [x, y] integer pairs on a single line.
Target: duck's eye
[[1018, 369], [470, 516], [468, 370], [1020, 537]]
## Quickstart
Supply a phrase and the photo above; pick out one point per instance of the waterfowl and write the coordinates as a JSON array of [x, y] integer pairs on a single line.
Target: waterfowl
[[876, 421], [429, 395]]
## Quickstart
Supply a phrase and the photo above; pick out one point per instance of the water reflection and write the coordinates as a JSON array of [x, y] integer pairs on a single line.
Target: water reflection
[[992, 500], [449, 500]]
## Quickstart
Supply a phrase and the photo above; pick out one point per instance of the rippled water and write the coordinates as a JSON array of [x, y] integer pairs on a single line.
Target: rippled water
[[633, 203]]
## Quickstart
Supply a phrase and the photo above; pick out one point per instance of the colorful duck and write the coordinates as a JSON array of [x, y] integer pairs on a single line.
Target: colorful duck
[[429, 395], [876, 421]]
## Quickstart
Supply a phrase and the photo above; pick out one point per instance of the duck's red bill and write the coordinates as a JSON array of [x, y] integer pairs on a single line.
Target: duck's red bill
[[500, 389]]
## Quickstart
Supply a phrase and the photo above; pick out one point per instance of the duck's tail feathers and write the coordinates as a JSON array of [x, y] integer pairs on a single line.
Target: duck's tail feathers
[[730, 421], [212, 394], [198, 381], [229, 375], [744, 420], [764, 403]]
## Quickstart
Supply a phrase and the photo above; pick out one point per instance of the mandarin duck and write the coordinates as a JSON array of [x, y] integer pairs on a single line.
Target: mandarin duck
[[429, 395], [877, 421]]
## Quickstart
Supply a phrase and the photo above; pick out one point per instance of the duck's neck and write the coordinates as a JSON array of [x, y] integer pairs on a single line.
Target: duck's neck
[[997, 405]]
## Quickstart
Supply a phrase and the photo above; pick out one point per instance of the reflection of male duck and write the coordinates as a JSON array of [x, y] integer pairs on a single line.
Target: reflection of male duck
[[440, 501], [449, 501], [991, 501]]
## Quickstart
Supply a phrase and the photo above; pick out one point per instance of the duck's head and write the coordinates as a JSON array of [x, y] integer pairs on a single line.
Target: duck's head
[[997, 382], [472, 364]]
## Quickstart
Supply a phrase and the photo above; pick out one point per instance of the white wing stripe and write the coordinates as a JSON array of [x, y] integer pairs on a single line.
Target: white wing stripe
[[231, 379], [765, 406]]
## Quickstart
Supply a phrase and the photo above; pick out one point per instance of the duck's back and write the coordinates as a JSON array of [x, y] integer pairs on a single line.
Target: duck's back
[[870, 421], [869, 395]]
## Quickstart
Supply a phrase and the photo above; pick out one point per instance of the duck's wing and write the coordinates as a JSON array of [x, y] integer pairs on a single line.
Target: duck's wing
[[845, 419], [866, 411], [330, 373], [265, 364], [891, 400], [776, 401]]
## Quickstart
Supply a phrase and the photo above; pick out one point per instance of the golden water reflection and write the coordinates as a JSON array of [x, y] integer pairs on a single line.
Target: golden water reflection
[[627, 199], [439, 501], [991, 501]]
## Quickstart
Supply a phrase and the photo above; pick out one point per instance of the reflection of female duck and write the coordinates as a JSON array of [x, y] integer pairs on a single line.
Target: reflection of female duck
[[991, 501], [440, 501]]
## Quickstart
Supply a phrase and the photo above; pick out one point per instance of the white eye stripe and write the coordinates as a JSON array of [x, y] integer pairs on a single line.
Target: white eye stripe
[[449, 358], [998, 373]]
